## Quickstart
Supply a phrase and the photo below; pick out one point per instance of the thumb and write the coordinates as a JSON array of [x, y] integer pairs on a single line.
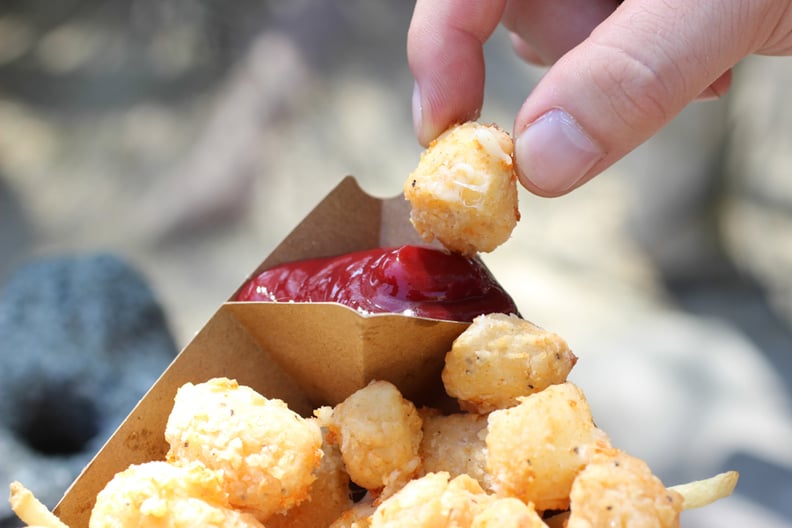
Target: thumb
[[634, 73]]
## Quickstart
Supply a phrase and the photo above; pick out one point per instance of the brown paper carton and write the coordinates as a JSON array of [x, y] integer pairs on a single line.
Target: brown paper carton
[[304, 354]]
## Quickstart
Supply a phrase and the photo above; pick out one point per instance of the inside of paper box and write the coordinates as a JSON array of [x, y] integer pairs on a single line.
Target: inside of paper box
[[306, 355]]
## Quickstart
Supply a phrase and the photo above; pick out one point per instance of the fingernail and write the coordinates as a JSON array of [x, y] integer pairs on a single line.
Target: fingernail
[[417, 110], [554, 153]]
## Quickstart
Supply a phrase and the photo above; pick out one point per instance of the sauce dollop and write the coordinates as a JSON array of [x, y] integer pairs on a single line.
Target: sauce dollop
[[410, 280]]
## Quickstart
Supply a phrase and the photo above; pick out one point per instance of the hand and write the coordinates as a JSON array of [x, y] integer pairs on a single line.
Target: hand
[[619, 72]]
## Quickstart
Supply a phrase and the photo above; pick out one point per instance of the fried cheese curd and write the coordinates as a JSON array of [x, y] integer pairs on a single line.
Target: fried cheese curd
[[508, 512], [434, 500], [455, 443], [266, 453], [464, 190], [158, 494], [535, 449], [379, 433], [328, 496], [499, 358], [616, 489]]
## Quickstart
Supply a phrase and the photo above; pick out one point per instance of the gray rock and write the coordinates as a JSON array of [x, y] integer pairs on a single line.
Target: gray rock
[[82, 339]]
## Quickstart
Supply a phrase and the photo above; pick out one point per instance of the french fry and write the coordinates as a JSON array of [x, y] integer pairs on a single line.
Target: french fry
[[30, 510], [703, 492]]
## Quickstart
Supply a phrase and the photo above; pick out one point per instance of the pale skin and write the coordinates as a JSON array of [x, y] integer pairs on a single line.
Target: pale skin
[[617, 73]]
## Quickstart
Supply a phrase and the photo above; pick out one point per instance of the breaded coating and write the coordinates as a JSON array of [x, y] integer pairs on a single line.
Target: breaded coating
[[455, 443], [616, 489], [499, 358], [508, 512], [432, 501], [329, 494], [534, 450], [379, 433], [161, 495], [267, 453], [464, 190]]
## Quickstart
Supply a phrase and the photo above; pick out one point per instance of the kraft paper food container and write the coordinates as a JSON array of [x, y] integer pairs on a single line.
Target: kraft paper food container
[[305, 354]]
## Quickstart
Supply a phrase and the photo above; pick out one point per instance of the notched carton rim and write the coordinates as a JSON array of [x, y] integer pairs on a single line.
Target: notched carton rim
[[307, 354]]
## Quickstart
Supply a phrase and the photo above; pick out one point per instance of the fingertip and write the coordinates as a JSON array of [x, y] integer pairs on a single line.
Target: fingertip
[[554, 154], [431, 119], [445, 54], [417, 115], [616, 90], [525, 51]]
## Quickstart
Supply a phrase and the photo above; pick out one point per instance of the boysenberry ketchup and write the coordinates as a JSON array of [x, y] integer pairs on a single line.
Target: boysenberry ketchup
[[411, 280]]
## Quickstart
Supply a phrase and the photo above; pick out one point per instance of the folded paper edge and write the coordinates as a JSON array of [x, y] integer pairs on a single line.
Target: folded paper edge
[[347, 219]]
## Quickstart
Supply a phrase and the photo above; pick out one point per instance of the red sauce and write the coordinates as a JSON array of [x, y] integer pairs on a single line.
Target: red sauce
[[410, 280]]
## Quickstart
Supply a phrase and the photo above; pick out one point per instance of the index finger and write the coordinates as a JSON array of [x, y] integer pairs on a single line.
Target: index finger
[[445, 53]]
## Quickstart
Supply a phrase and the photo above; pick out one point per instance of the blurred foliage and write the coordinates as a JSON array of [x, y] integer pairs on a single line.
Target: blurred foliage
[[111, 52]]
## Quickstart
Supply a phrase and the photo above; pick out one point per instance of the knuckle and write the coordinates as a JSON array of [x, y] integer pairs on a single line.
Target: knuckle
[[636, 91]]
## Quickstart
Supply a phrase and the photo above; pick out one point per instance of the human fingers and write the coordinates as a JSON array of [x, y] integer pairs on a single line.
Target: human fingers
[[544, 30], [525, 51], [629, 78], [718, 88], [445, 53]]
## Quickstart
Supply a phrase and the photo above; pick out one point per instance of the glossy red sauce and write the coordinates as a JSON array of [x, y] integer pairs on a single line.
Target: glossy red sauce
[[410, 280]]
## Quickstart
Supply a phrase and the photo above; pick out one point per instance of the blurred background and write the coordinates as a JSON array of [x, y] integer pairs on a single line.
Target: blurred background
[[166, 146]]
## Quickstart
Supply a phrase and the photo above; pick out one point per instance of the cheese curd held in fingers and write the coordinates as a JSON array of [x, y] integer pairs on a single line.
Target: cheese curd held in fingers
[[464, 190]]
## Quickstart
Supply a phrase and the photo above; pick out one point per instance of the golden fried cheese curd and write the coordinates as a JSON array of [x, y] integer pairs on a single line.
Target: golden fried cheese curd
[[455, 443], [379, 433], [499, 358], [535, 449], [161, 495], [508, 512], [267, 453], [328, 496], [464, 190], [432, 501], [617, 489]]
